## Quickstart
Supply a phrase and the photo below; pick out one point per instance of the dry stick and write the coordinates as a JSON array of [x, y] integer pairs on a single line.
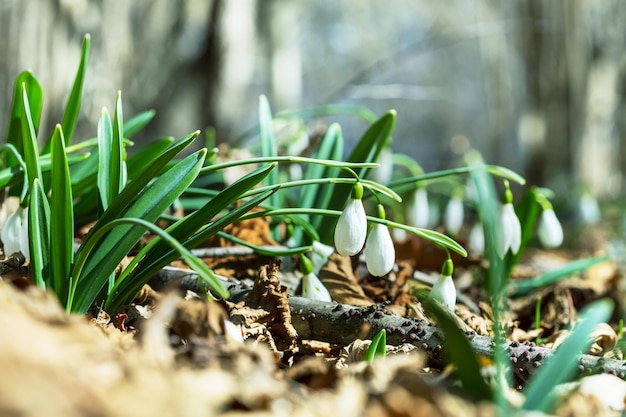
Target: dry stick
[[342, 324]]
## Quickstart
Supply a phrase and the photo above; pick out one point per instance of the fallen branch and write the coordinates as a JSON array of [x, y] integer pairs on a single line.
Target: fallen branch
[[342, 324]]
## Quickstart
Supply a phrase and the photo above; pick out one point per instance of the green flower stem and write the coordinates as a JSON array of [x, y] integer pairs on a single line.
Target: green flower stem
[[326, 162], [495, 170], [204, 272], [435, 237], [301, 183]]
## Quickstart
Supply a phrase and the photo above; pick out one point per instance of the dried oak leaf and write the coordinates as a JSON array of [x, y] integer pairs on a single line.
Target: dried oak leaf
[[338, 277]]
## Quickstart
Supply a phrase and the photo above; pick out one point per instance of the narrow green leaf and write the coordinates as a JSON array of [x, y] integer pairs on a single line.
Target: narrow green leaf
[[39, 235], [26, 80], [138, 122], [520, 288], [61, 216], [561, 367], [156, 254], [130, 191], [29, 141], [378, 347], [146, 155], [92, 269], [72, 108], [105, 143], [117, 169], [458, 350]]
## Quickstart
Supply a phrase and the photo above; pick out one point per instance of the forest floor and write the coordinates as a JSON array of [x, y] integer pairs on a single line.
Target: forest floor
[[171, 354]]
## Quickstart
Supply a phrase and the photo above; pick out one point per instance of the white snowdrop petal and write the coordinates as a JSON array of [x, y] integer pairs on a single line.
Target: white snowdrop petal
[[351, 229], [24, 241], [454, 215], [550, 231], [477, 239], [418, 212], [510, 233], [380, 254], [313, 288], [444, 291], [10, 234], [320, 254]]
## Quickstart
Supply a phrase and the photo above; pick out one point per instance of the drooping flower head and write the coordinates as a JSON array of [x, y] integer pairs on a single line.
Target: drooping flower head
[[418, 209], [549, 231], [444, 290], [476, 241], [312, 287], [509, 237], [455, 212], [351, 228], [380, 254], [14, 233]]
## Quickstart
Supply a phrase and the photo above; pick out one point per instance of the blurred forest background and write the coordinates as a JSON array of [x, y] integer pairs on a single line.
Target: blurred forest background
[[537, 86]]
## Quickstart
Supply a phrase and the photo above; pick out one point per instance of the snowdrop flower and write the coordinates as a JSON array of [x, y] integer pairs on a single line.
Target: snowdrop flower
[[351, 227], [319, 255], [418, 209], [454, 213], [312, 287], [380, 254], [550, 232], [444, 290], [589, 209], [14, 233], [477, 239], [510, 231]]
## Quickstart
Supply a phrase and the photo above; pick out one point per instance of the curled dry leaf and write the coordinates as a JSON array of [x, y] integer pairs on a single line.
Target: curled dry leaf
[[267, 305]]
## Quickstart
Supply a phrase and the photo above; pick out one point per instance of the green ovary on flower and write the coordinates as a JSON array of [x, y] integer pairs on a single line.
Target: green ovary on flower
[[550, 231], [380, 254], [14, 233], [351, 229]]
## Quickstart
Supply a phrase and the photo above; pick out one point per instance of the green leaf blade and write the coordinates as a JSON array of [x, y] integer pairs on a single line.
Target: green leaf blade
[[61, 216]]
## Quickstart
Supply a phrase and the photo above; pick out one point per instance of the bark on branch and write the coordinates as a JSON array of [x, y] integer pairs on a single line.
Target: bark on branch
[[342, 324]]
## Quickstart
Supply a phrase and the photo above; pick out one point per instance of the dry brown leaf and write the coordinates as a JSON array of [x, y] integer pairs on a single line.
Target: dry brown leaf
[[338, 277]]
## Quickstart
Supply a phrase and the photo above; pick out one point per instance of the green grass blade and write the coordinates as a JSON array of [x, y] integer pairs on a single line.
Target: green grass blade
[[561, 367], [92, 269], [61, 216], [105, 143], [29, 141], [39, 235], [72, 108], [26, 80], [521, 288], [459, 351], [266, 250], [138, 122]]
